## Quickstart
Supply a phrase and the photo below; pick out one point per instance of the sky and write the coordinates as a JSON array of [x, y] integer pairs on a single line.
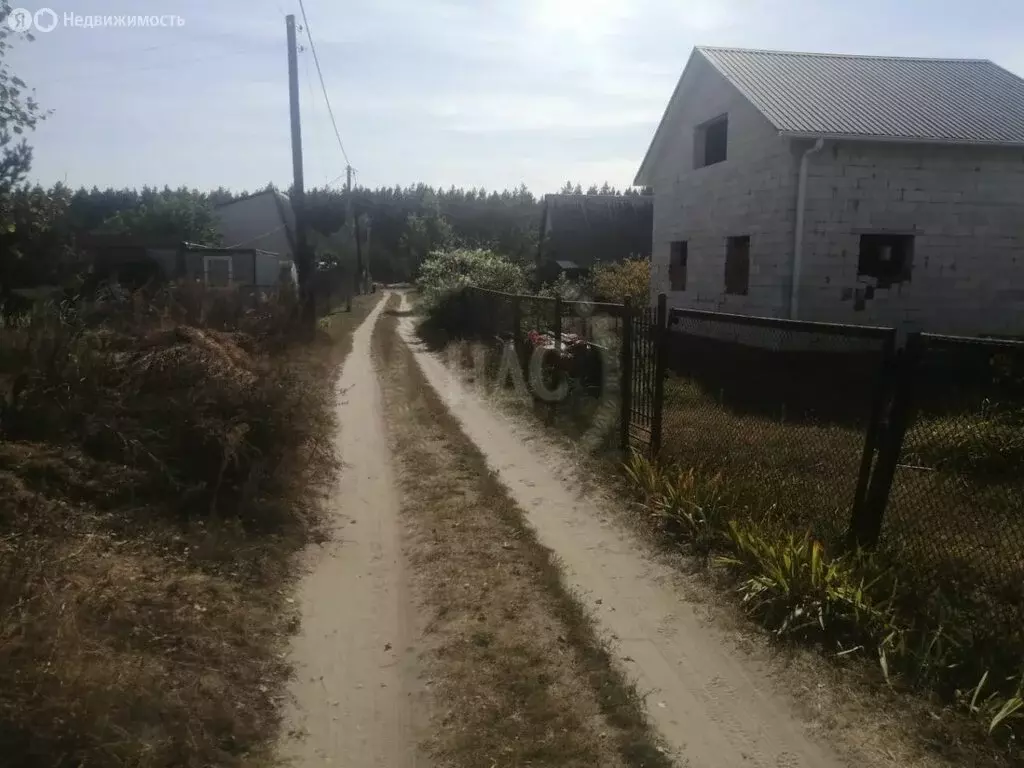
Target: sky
[[471, 93]]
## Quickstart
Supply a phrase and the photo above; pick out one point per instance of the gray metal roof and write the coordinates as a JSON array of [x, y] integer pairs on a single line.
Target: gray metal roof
[[971, 101]]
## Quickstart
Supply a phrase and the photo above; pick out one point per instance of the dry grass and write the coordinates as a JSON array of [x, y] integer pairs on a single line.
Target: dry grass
[[156, 479], [517, 674]]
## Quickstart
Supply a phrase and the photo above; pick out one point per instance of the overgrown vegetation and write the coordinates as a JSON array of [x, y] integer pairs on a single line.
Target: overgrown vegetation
[[629, 280], [445, 273], [922, 634], [157, 475]]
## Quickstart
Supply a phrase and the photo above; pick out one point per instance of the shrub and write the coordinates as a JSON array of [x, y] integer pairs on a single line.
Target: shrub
[[157, 477], [567, 289], [445, 273], [630, 279]]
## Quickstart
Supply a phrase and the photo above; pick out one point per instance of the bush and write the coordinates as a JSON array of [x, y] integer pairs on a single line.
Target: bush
[[924, 633], [630, 279], [445, 273], [156, 479], [567, 289]]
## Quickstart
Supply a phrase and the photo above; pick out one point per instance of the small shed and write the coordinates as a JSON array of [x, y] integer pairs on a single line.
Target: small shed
[[135, 262]]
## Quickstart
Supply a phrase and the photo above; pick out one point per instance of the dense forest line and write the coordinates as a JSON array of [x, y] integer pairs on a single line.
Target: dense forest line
[[44, 229]]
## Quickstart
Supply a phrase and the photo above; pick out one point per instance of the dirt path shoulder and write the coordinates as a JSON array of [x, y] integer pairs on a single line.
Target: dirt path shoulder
[[350, 695], [710, 704]]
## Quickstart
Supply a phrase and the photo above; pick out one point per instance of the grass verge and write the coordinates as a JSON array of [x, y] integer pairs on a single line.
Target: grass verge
[[921, 637], [159, 467], [518, 674]]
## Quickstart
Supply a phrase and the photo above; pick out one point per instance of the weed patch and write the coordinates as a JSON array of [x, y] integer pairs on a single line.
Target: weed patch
[[162, 458], [923, 636]]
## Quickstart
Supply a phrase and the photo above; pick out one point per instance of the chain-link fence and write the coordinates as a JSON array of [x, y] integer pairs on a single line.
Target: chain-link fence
[[782, 410], [821, 427], [956, 502]]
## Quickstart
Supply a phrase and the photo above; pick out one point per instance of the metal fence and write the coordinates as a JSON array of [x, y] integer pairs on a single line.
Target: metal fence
[[782, 409], [827, 428], [951, 468]]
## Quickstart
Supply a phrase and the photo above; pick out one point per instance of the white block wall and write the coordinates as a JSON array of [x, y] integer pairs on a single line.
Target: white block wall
[[965, 208], [752, 193]]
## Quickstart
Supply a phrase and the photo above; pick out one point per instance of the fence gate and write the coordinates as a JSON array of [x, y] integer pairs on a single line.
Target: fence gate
[[643, 372]]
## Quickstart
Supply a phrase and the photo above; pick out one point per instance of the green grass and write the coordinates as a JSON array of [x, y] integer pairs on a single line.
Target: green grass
[[874, 605], [813, 467]]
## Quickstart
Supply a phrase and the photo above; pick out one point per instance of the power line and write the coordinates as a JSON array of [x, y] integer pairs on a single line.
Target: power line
[[273, 231], [323, 85]]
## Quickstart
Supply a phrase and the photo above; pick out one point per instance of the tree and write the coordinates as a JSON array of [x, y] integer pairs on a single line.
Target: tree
[[19, 112], [424, 234], [36, 245], [33, 237], [169, 215]]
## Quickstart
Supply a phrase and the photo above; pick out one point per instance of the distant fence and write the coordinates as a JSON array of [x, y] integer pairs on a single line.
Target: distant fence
[[831, 426]]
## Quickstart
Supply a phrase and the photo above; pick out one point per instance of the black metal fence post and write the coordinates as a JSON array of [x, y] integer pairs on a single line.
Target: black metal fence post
[[883, 391], [866, 525], [660, 332], [626, 375]]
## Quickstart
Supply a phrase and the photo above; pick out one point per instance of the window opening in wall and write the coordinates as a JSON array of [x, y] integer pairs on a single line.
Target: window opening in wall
[[886, 258], [710, 142], [677, 265], [737, 265], [217, 271]]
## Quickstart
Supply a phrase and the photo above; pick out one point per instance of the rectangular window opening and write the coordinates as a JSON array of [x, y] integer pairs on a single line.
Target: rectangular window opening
[[677, 265], [886, 258], [737, 265], [711, 141]]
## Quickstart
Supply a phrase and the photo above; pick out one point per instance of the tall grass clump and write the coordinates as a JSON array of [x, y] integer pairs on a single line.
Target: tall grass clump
[[877, 605], [162, 458]]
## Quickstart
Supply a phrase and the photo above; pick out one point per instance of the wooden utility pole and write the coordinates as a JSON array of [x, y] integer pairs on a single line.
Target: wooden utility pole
[[357, 280], [369, 230], [303, 257]]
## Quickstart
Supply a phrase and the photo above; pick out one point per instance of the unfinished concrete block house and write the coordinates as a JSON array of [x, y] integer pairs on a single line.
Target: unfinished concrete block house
[[855, 189]]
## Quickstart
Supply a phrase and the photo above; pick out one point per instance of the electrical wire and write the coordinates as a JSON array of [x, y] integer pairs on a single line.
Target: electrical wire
[[323, 85], [258, 237]]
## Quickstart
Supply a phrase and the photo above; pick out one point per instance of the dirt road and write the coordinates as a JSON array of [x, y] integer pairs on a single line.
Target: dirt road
[[708, 702], [354, 689], [351, 693]]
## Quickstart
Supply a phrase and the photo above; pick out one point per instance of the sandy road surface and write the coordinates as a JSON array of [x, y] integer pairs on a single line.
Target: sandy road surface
[[351, 694], [712, 706]]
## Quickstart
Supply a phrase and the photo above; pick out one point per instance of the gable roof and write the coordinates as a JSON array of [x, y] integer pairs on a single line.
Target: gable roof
[[888, 98]]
